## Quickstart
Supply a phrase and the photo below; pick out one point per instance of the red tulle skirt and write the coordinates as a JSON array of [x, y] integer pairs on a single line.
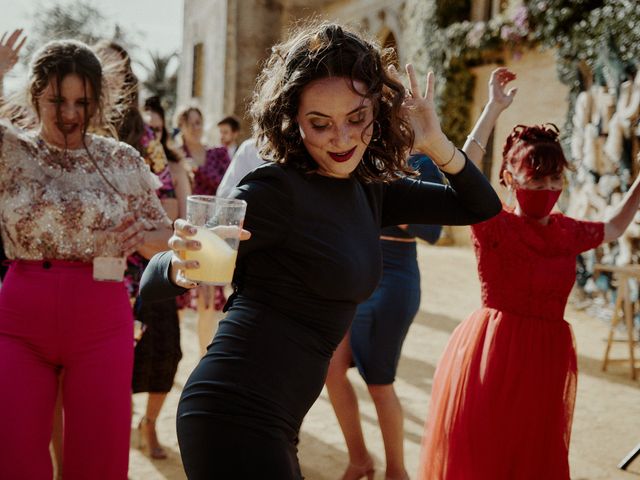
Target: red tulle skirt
[[502, 401]]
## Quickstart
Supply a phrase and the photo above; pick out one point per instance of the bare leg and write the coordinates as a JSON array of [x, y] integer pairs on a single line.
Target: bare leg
[[57, 433], [208, 319], [391, 421], [148, 425], [345, 404]]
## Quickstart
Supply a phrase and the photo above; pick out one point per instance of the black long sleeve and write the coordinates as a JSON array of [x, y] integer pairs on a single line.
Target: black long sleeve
[[468, 199], [428, 172], [155, 283], [304, 225]]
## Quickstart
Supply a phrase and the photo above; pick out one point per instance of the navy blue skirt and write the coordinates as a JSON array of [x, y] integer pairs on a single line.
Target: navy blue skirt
[[382, 322]]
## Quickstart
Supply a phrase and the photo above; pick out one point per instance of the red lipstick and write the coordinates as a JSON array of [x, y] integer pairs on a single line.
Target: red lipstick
[[342, 157]]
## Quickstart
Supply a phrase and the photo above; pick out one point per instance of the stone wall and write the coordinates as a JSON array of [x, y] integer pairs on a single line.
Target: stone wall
[[258, 26], [205, 21]]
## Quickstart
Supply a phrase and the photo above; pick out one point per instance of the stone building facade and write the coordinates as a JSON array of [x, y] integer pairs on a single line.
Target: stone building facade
[[226, 41]]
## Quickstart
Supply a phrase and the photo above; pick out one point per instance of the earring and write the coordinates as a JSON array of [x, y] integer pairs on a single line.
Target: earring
[[376, 136], [510, 200]]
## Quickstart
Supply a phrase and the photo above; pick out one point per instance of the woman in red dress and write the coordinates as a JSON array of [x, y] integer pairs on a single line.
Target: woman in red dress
[[504, 391]]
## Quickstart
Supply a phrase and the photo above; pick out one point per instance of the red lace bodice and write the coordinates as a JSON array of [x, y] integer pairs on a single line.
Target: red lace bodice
[[528, 269]]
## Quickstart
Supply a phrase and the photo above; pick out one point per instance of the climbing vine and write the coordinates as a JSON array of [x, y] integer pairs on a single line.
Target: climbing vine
[[583, 33]]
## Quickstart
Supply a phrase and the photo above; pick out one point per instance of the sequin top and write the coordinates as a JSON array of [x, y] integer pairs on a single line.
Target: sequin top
[[53, 202]]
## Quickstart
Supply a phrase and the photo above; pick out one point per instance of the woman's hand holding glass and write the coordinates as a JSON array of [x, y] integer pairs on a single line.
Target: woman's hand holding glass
[[181, 242]]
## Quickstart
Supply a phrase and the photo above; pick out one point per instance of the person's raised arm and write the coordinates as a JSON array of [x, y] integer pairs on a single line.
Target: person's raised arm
[[499, 100], [9, 51], [623, 214], [420, 111]]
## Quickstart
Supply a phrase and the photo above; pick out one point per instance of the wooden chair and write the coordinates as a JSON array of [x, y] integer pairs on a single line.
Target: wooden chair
[[623, 312]]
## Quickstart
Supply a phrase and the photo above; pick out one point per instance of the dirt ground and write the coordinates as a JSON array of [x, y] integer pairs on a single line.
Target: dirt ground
[[607, 417]]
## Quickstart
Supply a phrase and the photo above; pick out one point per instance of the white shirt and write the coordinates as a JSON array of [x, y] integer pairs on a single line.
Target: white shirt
[[244, 161]]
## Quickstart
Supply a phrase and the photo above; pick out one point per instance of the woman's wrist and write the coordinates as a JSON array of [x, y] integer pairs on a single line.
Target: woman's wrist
[[438, 148], [494, 108], [173, 274]]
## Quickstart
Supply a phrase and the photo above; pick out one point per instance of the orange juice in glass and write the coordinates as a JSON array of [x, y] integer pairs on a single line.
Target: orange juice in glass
[[218, 222]]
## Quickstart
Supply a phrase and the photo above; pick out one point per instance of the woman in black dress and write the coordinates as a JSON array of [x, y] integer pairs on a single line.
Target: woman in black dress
[[336, 124]]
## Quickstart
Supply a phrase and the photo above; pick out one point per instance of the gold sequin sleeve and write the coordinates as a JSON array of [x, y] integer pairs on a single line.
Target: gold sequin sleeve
[[139, 186]]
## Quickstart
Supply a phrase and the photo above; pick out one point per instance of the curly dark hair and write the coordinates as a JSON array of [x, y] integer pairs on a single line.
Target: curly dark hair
[[321, 50], [536, 149]]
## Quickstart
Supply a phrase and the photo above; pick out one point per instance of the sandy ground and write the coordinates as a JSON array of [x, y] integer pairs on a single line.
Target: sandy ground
[[607, 417]]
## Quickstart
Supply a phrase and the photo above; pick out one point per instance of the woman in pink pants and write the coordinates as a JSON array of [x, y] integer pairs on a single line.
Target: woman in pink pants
[[70, 204]]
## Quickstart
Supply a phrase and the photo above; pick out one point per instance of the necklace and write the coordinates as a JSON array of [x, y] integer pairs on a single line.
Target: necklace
[[65, 159], [57, 159]]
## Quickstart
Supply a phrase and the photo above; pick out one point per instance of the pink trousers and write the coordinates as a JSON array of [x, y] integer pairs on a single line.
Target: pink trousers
[[54, 317]]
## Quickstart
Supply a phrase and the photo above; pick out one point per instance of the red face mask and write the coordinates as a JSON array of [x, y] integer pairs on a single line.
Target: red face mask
[[537, 203]]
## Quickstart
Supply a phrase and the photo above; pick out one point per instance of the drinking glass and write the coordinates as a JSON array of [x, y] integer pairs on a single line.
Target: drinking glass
[[218, 222]]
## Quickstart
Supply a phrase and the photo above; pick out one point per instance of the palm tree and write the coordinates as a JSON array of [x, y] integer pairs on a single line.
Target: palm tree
[[162, 77]]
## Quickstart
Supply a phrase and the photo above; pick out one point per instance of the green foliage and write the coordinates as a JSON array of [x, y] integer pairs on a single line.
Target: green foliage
[[80, 20], [455, 97], [162, 80], [596, 34], [553, 20]]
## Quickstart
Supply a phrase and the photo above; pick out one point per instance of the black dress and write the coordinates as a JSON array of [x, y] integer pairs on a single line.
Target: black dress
[[314, 254]]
